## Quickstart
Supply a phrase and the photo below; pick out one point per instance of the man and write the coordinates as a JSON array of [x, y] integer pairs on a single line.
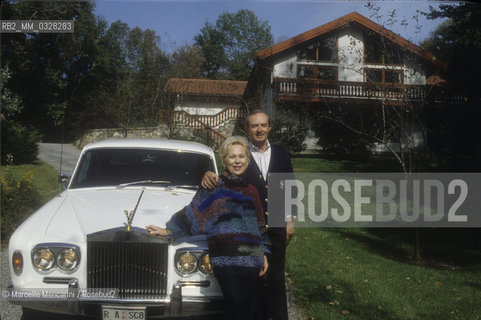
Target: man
[[267, 158]]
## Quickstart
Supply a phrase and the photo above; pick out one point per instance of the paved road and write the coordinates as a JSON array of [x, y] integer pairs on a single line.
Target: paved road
[[50, 153]]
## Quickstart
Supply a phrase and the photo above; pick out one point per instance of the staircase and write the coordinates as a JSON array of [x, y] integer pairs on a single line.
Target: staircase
[[210, 124]]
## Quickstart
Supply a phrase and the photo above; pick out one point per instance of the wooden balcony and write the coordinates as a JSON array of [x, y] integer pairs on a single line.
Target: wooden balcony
[[319, 90]]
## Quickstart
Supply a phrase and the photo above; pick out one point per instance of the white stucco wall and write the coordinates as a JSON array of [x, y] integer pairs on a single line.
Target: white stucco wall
[[203, 106], [286, 67], [207, 111], [413, 74], [350, 62], [350, 55]]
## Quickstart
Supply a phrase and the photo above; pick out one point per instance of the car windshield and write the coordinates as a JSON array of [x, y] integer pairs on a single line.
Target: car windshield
[[113, 167]]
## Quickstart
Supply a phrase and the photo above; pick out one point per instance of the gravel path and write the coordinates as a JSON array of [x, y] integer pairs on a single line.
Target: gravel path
[[7, 310]]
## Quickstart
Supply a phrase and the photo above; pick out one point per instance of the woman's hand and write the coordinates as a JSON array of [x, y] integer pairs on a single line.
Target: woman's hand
[[266, 266], [157, 231]]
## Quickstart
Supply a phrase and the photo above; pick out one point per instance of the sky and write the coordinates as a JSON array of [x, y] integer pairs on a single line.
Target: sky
[[177, 22]]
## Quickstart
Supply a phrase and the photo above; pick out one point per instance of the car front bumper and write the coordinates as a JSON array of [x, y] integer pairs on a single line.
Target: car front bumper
[[73, 302]]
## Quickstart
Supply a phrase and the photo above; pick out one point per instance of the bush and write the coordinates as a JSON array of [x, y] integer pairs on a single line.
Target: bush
[[18, 200], [19, 143], [205, 137], [288, 133]]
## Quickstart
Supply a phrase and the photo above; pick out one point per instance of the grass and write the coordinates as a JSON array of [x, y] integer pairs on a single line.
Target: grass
[[44, 181], [44, 178], [355, 273]]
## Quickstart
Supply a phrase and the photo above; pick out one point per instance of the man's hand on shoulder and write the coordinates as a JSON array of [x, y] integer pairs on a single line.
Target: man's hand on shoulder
[[209, 181]]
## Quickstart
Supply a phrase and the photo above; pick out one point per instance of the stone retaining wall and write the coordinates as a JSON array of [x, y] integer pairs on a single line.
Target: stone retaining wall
[[161, 132]]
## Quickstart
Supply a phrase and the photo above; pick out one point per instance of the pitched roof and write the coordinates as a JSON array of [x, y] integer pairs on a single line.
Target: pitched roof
[[340, 22], [207, 87]]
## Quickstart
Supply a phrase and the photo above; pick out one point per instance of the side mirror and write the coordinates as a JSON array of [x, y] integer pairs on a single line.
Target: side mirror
[[64, 179]]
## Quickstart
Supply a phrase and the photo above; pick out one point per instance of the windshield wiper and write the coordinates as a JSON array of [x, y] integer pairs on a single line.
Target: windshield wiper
[[183, 186], [133, 183]]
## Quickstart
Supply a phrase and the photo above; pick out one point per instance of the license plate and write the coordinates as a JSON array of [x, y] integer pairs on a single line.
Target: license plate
[[125, 313]]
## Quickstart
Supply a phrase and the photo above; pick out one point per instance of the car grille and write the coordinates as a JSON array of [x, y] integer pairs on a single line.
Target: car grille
[[134, 264]]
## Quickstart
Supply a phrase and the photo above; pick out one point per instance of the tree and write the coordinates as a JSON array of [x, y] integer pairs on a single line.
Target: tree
[[187, 62], [131, 94], [288, 131], [230, 45], [48, 68], [457, 41], [98, 76], [11, 103]]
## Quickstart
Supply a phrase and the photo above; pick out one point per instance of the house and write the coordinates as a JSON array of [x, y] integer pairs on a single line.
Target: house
[[350, 61], [209, 105]]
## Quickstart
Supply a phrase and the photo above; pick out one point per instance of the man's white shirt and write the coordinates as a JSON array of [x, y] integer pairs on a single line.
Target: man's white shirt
[[262, 158]]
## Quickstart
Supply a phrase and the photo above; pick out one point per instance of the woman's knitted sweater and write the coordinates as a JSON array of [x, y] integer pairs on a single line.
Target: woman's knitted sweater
[[231, 216]]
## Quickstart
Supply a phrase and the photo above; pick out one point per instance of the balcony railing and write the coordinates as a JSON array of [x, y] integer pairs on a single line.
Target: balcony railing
[[207, 123], [302, 88]]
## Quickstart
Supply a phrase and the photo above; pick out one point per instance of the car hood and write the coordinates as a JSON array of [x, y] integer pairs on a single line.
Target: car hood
[[85, 211]]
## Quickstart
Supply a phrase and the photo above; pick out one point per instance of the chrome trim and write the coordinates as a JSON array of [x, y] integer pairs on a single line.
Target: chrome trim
[[57, 280], [194, 283], [72, 300]]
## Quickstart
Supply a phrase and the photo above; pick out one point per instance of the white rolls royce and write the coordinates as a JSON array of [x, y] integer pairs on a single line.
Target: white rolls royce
[[86, 251]]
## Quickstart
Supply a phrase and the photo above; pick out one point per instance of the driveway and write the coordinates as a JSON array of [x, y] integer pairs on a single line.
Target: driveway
[[62, 157]]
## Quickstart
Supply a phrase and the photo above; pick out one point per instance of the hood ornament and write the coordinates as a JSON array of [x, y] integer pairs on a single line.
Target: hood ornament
[[130, 215]]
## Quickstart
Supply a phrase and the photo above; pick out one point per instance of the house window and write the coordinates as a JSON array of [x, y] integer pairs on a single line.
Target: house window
[[305, 72], [384, 76], [327, 50], [373, 75], [378, 50], [307, 53], [324, 50], [327, 73], [393, 76], [317, 72], [373, 51]]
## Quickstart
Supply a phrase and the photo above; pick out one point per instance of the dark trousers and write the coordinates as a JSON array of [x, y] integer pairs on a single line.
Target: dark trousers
[[241, 296], [275, 300]]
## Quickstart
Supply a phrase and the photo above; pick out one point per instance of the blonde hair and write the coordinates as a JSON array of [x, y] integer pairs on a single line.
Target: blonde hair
[[229, 142]]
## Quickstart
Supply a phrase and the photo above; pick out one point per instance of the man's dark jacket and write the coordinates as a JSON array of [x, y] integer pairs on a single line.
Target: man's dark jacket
[[280, 163]]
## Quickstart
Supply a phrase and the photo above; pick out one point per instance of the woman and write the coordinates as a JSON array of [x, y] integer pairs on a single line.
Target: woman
[[231, 216]]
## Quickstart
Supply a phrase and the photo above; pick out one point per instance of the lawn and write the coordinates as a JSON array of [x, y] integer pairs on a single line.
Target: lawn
[[42, 178], [357, 273]]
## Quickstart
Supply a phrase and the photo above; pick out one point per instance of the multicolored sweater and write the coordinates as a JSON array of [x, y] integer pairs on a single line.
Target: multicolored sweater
[[231, 216]]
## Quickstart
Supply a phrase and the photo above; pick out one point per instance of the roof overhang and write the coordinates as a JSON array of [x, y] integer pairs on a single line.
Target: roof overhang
[[341, 22]]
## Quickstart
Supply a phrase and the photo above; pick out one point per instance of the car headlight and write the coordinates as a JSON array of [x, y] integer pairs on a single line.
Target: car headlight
[[204, 264], [17, 262], [64, 257], [186, 263], [43, 259], [68, 260]]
